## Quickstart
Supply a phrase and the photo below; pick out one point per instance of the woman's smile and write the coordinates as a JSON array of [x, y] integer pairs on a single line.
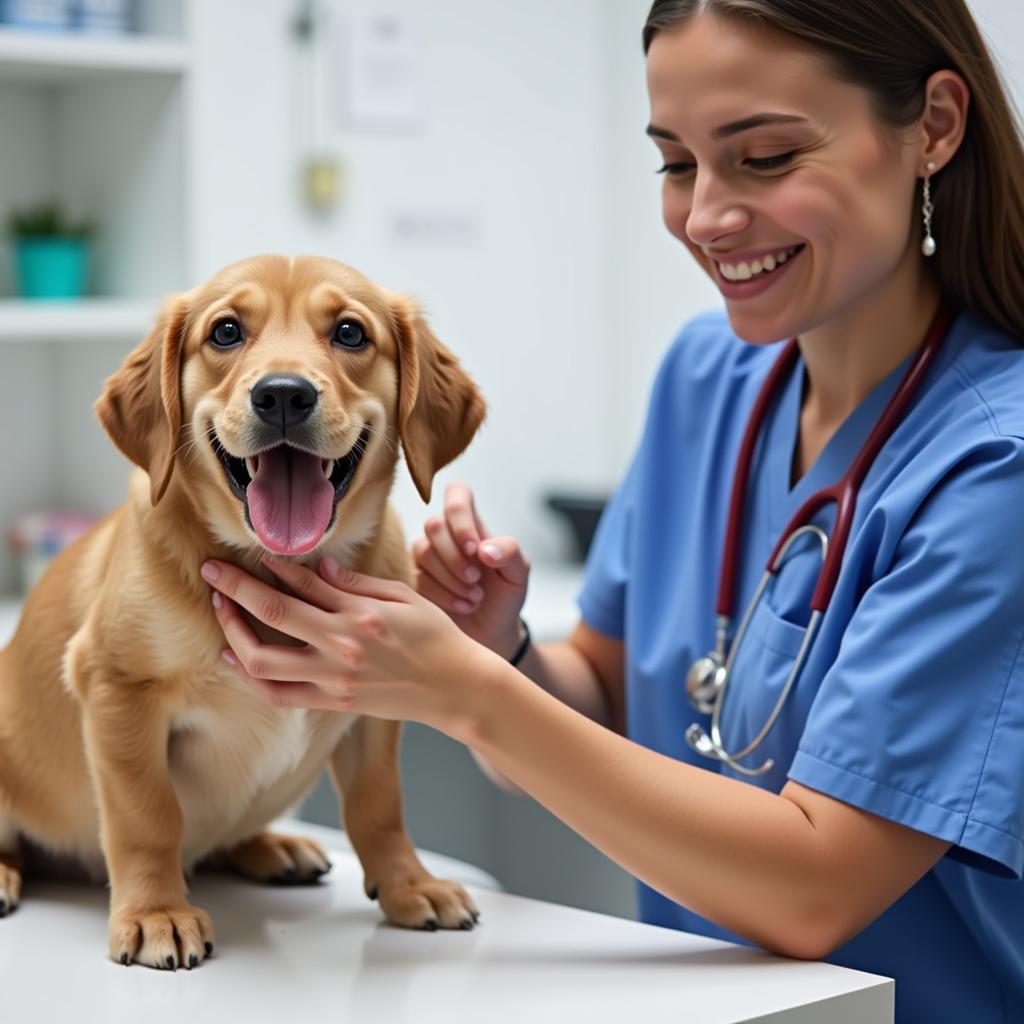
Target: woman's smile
[[743, 278]]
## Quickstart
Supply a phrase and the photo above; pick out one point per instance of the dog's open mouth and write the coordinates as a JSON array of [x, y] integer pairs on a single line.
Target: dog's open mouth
[[290, 495]]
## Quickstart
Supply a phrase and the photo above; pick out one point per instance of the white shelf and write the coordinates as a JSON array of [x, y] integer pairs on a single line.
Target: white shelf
[[67, 57], [76, 320]]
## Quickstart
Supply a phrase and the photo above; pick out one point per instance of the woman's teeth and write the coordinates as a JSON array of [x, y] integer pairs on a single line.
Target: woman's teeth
[[745, 271]]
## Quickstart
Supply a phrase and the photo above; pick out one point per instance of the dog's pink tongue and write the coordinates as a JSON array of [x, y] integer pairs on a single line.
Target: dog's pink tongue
[[290, 500]]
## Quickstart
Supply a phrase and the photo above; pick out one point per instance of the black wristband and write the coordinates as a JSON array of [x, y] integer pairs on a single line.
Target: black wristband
[[523, 645]]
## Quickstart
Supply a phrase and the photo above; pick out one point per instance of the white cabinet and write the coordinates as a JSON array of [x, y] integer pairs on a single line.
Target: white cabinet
[[99, 124]]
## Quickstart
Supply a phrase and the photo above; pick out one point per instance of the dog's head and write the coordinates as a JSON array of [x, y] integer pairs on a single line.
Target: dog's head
[[279, 389]]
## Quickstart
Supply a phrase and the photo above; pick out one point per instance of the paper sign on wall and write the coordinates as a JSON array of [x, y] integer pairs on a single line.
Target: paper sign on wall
[[379, 85]]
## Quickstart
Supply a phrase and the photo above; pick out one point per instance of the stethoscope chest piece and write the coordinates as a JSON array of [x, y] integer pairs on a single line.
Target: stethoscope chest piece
[[704, 682]]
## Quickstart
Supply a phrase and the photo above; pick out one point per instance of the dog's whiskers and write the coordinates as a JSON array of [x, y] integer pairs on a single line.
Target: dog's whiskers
[[386, 437], [188, 449]]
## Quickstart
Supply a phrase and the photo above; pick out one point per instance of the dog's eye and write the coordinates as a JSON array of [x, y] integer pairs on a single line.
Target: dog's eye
[[350, 334], [226, 334]]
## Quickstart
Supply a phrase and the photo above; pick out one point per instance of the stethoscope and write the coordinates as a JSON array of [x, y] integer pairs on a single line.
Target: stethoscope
[[709, 676]]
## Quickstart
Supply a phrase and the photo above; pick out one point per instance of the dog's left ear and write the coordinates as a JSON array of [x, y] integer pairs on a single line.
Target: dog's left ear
[[439, 406], [140, 407]]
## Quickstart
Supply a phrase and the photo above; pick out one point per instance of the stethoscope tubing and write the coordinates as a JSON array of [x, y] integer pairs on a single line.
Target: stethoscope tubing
[[843, 492]]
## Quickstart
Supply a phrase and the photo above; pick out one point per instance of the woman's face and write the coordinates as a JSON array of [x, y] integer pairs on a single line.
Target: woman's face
[[777, 176]]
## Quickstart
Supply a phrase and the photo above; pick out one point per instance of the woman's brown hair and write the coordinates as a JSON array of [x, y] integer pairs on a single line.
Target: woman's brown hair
[[890, 48]]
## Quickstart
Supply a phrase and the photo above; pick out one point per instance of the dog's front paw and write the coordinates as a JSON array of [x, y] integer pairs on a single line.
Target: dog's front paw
[[426, 902], [166, 938]]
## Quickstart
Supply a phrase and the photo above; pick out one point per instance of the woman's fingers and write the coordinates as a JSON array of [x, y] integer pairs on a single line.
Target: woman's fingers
[[279, 611], [428, 587], [442, 540], [265, 661], [426, 558], [351, 582], [460, 512], [504, 555], [292, 694], [305, 583]]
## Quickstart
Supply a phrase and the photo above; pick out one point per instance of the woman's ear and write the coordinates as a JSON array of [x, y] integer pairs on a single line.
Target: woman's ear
[[439, 406], [140, 407], [947, 99]]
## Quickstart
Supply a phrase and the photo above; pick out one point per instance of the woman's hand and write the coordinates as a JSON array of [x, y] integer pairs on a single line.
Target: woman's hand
[[372, 646], [479, 580]]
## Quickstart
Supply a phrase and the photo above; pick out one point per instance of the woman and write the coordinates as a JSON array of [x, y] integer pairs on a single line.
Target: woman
[[848, 173]]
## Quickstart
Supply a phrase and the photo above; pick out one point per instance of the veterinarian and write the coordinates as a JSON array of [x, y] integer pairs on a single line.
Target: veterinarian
[[844, 780]]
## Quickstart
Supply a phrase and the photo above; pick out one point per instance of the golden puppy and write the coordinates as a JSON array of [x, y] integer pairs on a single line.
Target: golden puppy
[[266, 409]]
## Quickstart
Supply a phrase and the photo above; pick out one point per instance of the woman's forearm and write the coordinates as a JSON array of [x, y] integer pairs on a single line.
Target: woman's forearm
[[686, 832], [562, 671]]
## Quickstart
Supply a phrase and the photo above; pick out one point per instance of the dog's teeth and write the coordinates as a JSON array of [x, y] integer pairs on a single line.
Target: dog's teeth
[[326, 465], [252, 464]]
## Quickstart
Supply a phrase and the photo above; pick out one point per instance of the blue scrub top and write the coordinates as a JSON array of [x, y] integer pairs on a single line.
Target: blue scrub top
[[911, 702]]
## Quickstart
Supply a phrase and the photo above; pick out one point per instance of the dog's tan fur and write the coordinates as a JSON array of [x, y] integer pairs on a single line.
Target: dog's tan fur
[[126, 742]]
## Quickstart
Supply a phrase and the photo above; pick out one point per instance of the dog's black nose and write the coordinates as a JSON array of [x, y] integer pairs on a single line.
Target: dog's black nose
[[283, 400]]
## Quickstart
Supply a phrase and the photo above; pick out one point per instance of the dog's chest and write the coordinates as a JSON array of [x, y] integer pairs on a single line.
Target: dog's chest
[[235, 748], [255, 750]]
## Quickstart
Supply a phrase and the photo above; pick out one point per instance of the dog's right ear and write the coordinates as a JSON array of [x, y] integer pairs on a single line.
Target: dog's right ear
[[140, 407]]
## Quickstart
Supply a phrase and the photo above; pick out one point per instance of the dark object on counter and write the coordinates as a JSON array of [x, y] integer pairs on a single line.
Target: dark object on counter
[[582, 513]]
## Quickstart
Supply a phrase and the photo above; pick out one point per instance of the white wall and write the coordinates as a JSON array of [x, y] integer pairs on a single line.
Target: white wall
[[656, 286]]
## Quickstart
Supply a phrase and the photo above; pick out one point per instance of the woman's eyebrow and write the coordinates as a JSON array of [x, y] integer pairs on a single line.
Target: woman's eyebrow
[[733, 128]]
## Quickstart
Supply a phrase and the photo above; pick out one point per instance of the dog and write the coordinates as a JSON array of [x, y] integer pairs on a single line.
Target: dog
[[264, 413]]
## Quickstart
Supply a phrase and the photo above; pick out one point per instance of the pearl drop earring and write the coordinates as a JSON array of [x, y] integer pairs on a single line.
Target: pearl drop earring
[[928, 246]]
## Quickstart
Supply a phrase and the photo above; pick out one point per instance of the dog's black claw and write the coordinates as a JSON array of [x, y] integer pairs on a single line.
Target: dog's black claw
[[476, 916], [208, 947], [192, 960], [170, 962], [372, 893], [431, 925], [466, 924], [124, 959], [3, 908]]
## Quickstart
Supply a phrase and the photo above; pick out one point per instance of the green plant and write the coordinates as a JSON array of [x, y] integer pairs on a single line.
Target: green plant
[[46, 220]]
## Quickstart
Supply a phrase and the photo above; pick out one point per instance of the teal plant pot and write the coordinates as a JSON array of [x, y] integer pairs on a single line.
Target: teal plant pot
[[51, 268]]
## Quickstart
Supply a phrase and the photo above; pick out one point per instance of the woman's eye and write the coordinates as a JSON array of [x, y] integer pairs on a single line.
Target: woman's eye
[[226, 334], [350, 334], [770, 163], [675, 169]]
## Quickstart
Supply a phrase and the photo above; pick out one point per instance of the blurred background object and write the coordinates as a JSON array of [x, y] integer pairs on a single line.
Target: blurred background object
[[103, 16], [51, 252], [37, 538], [89, 16], [50, 15], [582, 513]]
